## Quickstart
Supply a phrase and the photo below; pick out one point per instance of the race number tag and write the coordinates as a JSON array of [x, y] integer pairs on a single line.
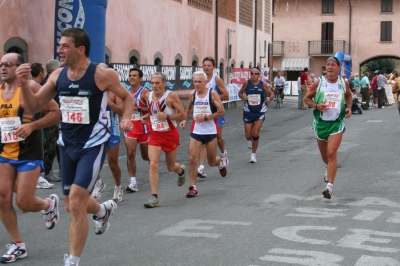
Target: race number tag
[[8, 126], [201, 110], [158, 125], [333, 99], [254, 99], [74, 110], [135, 116]]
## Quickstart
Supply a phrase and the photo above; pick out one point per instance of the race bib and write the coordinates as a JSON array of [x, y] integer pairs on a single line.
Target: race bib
[[254, 99], [201, 110], [135, 116], [8, 126], [158, 125], [333, 100], [74, 110]]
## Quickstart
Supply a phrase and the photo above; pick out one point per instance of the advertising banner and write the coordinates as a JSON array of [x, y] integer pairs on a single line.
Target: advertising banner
[[84, 14]]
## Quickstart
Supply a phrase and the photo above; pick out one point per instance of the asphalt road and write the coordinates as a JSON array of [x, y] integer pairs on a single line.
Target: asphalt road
[[268, 213]]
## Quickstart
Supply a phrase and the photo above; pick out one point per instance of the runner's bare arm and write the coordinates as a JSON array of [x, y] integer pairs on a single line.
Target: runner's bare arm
[[115, 103], [217, 103], [32, 98], [189, 109], [224, 96], [311, 93], [349, 100], [143, 97], [174, 102]]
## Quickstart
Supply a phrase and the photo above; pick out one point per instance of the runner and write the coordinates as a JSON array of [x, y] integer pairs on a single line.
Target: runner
[[329, 95], [83, 90], [216, 83], [21, 156], [206, 107], [164, 108], [139, 134], [254, 109]]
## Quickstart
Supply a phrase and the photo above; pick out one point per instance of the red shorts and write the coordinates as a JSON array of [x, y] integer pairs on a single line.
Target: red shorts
[[167, 140], [141, 138]]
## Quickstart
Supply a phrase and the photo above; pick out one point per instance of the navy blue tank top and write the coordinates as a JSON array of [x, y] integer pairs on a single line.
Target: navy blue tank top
[[95, 132], [257, 93]]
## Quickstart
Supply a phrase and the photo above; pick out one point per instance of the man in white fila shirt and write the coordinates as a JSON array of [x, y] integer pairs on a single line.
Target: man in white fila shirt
[[207, 107]]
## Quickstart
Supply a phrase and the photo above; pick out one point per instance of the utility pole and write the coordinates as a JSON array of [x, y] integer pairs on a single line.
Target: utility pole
[[255, 34], [229, 55]]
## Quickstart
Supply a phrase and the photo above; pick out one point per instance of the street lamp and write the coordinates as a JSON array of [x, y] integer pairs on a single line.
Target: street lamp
[[229, 54]]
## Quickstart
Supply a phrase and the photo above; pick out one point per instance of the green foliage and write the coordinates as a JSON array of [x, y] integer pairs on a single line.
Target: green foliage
[[389, 65]]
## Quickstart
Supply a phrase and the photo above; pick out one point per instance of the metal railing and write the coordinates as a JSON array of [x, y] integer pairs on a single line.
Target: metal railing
[[326, 47], [279, 48]]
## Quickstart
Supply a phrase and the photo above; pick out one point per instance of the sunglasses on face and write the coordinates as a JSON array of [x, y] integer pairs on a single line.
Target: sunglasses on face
[[8, 64], [254, 73]]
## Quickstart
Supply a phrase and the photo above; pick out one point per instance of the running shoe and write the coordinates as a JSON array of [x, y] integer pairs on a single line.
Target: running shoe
[[67, 261], [43, 183], [152, 202], [132, 187], [201, 173], [98, 188], [52, 177], [118, 193], [13, 253], [253, 158], [249, 144], [328, 192], [222, 167], [192, 192], [101, 225], [182, 178], [51, 217], [326, 175]]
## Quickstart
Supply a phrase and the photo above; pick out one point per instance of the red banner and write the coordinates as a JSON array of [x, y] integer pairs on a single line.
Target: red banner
[[240, 75]]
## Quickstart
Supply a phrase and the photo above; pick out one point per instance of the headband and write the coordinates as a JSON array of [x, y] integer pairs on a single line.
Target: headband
[[255, 68], [333, 59]]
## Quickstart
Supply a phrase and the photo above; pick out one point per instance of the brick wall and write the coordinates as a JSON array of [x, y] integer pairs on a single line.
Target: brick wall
[[227, 9], [267, 16], [246, 12], [205, 5]]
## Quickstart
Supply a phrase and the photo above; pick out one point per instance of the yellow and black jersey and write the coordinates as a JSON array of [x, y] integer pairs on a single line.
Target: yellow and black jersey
[[29, 149]]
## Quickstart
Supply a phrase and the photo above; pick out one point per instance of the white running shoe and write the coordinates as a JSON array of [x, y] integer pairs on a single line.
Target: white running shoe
[[101, 225], [224, 159], [13, 253], [328, 191], [67, 261], [249, 144], [201, 173], [51, 217], [43, 183], [253, 158], [98, 189], [132, 187], [118, 193]]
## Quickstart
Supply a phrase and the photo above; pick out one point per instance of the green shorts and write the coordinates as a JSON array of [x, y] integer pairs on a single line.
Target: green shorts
[[398, 104], [323, 129]]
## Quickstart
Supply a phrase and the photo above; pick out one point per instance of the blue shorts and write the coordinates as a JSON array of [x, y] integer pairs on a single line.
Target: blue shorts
[[24, 165], [113, 141], [375, 93], [249, 117], [80, 166], [221, 121], [203, 138]]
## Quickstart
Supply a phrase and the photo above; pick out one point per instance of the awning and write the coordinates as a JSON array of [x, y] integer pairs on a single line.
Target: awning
[[295, 63]]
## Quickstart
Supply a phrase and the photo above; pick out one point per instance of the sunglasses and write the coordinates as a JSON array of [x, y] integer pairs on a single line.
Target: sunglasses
[[8, 64], [254, 73]]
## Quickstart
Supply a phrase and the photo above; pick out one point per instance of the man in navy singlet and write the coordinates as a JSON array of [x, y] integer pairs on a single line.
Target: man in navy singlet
[[83, 89]]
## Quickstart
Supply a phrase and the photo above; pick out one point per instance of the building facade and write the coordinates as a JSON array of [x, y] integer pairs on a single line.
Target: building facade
[[306, 33], [152, 32]]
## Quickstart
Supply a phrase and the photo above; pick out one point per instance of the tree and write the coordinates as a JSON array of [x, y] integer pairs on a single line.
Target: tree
[[387, 65]]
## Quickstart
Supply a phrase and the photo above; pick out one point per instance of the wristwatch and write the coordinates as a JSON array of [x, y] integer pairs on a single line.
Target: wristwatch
[[139, 108], [205, 118], [315, 105]]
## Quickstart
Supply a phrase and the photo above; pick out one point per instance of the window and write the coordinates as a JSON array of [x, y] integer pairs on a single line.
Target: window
[[327, 37], [134, 57], [17, 45], [158, 59], [386, 31], [221, 69], [241, 64], [195, 60], [386, 6], [178, 60], [327, 6]]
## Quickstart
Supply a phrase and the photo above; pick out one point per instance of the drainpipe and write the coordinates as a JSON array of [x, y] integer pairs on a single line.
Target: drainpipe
[[350, 16], [255, 34], [216, 34]]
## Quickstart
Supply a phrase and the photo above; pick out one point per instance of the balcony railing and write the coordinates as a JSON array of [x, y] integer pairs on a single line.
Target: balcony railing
[[279, 48], [325, 48]]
